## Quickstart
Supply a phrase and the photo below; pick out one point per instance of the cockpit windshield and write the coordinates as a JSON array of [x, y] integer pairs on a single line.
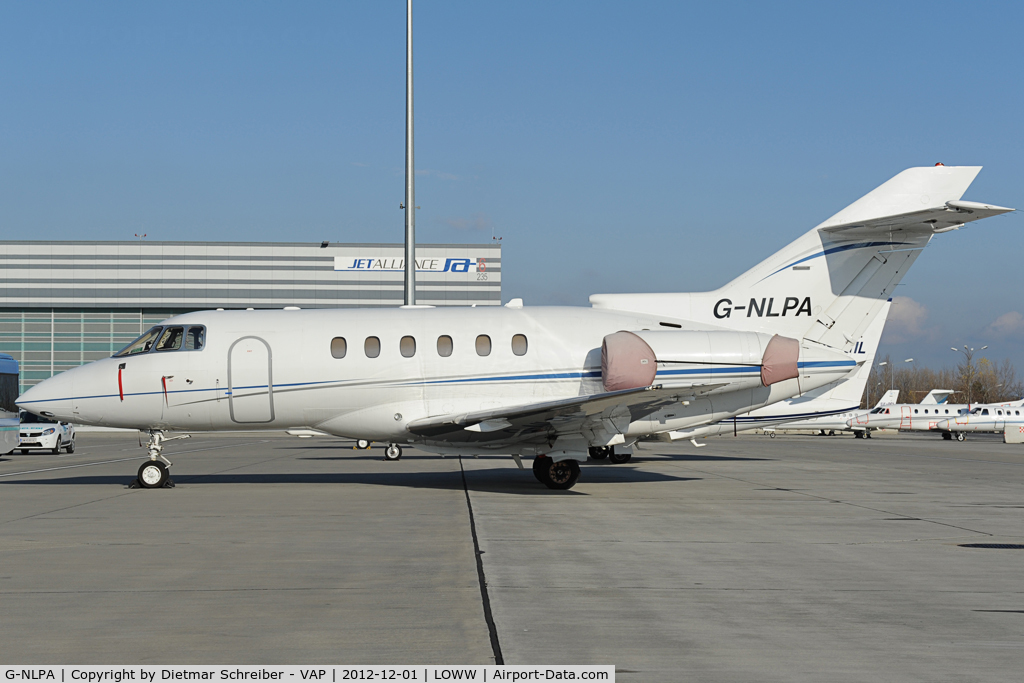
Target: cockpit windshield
[[167, 338], [171, 338], [140, 345]]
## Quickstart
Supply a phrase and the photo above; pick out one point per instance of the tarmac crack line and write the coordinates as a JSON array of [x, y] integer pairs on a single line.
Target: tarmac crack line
[[492, 629], [831, 500]]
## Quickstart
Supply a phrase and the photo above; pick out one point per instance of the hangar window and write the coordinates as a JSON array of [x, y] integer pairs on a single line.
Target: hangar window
[[140, 345], [444, 346], [372, 347], [195, 338], [407, 346], [519, 344], [339, 347], [171, 339], [483, 345]]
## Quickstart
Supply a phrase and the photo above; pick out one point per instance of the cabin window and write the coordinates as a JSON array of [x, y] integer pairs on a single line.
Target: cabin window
[[140, 345], [171, 339], [195, 338], [444, 346], [985, 412], [1000, 412], [1016, 412], [407, 346], [372, 347], [915, 411], [519, 344], [925, 411], [483, 345], [339, 347]]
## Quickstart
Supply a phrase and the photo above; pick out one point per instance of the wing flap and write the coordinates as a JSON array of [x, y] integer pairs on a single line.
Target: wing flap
[[549, 419]]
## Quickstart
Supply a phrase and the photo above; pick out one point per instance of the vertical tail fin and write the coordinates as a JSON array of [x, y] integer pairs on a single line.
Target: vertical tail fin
[[830, 283]]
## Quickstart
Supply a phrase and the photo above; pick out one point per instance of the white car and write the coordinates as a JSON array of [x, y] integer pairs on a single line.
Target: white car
[[42, 434]]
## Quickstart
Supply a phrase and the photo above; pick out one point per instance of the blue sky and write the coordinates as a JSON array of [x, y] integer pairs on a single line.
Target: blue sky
[[613, 146]]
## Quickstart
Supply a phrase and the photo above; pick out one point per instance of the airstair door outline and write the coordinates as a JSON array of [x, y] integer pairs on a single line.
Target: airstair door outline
[[250, 381], [905, 417]]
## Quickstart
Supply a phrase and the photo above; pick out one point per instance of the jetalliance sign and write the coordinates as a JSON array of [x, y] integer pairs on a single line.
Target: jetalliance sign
[[429, 265]]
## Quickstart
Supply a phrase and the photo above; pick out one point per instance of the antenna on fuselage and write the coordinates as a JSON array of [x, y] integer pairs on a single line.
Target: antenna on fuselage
[[410, 172]]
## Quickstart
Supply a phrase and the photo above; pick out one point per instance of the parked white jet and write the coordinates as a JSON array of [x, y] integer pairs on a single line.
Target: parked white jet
[[991, 418], [551, 382], [945, 418]]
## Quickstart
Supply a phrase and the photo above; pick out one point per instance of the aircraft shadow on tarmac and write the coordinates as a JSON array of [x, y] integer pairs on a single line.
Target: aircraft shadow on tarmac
[[705, 458], [501, 480]]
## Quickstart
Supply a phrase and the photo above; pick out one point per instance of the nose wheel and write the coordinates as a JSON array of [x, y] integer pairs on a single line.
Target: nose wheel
[[154, 473], [393, 452]]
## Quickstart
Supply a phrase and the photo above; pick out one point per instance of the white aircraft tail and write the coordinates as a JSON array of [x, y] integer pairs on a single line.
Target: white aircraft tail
[[889, 398], [829, 285], [937, 396]]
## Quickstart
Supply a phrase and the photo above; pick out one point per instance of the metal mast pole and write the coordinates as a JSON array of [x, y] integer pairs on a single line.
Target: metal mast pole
[[410, 172]]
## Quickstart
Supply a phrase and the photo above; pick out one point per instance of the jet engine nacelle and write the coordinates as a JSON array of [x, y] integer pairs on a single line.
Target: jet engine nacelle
[[741, 360]]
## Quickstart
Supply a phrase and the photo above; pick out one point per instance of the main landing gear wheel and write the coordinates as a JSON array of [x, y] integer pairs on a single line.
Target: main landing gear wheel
[[960, 436], [599, 452], [153, 474], [618, 458], [539, 466], [393, 452], [858, 435], [561, 475], [946, 436], [363, 444]]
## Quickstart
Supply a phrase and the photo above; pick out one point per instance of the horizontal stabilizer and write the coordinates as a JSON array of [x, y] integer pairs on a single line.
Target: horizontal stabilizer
[[927, 221]]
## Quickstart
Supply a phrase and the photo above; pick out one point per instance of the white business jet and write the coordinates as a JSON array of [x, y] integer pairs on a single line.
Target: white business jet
[[551, 382], [933, 414], [1005, 418]]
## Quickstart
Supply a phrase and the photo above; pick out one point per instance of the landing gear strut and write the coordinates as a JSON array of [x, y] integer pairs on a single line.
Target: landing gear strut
[[559, 475], [154, 474]]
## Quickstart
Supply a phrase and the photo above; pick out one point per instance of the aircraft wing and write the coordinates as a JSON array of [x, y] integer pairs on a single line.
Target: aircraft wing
[[610, 412], [926, 221]]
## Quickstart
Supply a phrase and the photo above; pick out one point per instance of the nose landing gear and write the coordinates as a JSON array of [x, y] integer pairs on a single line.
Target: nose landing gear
[[154, 473]]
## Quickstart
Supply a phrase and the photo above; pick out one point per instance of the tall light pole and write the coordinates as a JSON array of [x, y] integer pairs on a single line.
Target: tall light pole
[[410, 171], [969, 360], [911, 360], [892, 380]]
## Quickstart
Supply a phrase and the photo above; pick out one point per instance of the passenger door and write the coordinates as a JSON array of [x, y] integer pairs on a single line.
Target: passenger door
[[250, 381]]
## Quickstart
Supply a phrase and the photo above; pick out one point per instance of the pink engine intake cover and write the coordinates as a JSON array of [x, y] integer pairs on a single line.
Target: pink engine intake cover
[[627, 362], [779, 361]]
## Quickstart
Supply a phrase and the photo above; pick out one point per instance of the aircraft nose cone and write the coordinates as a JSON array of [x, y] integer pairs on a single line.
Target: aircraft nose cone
[[51, 397]]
